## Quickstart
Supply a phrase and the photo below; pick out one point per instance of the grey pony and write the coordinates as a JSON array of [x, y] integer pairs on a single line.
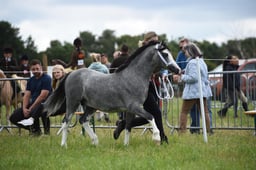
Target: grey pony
[[124, 90]]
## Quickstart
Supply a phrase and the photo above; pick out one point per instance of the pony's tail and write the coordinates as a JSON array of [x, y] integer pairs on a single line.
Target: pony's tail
[[56, 102]]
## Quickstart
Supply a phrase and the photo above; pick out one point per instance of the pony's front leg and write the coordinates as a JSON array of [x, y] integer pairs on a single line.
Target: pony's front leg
[[64, 128], [90, 132], [156, 133], [128, 127]]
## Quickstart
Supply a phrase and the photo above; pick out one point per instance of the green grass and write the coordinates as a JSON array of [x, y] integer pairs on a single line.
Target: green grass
[[224, 150]]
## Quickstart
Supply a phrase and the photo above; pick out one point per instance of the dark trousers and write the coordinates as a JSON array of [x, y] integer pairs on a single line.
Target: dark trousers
[[195, 119], [151, 106], [36, 113]]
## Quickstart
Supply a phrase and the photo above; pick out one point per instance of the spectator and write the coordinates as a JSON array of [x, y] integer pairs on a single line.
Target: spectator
[[37, 90], [150, 105], [24, 67], [123, 55], [190, 78], [78, 56], [104, 60], [116, 54], [58, 72], [9, 66], [181, 60], [7, 63], [96, 64], [231, 84]]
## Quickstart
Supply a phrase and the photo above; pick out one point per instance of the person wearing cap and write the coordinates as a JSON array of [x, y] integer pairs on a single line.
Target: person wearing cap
[[150, 104], [7, 63], [23, 69]]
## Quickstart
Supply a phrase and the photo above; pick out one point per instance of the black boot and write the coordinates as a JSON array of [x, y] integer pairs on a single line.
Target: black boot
[[120, 127], [164, 139], [245, 106], [222, 113]]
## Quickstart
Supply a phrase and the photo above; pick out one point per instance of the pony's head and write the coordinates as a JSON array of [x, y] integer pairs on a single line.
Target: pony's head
[[167, 58]]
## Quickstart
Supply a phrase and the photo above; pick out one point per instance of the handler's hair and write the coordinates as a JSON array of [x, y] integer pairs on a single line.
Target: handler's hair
[[193, 50]]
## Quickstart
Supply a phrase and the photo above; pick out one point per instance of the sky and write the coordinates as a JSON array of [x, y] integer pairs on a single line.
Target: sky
[[215, 21]]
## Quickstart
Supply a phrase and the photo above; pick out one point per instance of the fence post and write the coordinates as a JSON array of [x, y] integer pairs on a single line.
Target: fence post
[[201, 100]]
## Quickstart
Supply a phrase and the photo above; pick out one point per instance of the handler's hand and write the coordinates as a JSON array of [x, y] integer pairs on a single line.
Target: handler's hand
[[26, 112], [176, 78]]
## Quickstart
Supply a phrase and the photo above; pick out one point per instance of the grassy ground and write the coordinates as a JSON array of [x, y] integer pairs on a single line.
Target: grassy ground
[[224, 150]]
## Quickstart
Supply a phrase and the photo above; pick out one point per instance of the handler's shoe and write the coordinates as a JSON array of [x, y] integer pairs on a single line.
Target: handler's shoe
[[120, 127], [27, 122], [164, 138]]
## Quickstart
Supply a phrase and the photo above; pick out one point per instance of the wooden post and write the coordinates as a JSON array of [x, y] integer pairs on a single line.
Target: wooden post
[[45, 62]]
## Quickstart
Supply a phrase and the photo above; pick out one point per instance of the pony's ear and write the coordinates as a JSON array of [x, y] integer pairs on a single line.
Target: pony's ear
[[161, 46]]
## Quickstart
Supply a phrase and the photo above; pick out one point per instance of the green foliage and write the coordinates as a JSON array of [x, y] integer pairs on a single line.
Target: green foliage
[[9, 37], [107, 43]]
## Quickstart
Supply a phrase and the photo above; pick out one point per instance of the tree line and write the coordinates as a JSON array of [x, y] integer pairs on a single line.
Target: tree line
[[108, 42]]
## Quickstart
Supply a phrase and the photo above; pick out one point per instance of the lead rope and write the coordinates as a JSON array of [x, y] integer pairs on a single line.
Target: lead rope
[[165, 87]]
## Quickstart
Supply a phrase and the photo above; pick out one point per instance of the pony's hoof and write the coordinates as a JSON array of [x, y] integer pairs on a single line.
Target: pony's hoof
[[126, 143], [158, 143], [156, 137], [95, 141], [64, 145]]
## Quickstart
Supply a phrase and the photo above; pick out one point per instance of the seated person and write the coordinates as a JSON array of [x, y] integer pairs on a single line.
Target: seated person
[[37, 90]]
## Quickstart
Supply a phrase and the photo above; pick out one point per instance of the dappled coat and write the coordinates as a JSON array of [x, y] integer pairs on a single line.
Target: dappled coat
[[190, 78]]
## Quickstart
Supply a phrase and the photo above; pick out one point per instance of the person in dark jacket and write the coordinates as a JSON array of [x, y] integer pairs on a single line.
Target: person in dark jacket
[[150, 105], [24, 67], [123, 55], [9, 66], [231, 84]]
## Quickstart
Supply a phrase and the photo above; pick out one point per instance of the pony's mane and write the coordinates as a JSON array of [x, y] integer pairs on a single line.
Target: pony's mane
[[134, 55]]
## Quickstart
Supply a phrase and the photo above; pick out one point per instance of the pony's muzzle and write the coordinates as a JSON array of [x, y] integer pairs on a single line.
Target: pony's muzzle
[[173, 68]]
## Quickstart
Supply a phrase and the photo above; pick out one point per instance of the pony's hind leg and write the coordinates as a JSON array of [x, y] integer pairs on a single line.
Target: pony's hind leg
[[64, 134], [64, 128]]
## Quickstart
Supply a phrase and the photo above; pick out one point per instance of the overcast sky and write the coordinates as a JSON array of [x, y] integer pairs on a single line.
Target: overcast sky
[[215, 21]]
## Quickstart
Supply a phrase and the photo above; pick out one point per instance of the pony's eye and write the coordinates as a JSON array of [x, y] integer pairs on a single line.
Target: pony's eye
[[164, 54]]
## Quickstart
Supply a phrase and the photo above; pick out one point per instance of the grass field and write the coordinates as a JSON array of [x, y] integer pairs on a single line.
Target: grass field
[[224, 150]]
